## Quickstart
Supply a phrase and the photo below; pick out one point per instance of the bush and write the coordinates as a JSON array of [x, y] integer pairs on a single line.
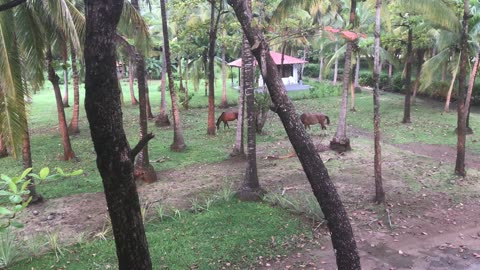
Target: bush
[[311, 70]]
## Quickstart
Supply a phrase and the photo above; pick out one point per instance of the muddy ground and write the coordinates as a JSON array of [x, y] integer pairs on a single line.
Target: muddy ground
[[431, 220]]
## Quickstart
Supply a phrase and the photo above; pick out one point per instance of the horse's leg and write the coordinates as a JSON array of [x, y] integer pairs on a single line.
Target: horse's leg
[[228, 125], [323, 125]]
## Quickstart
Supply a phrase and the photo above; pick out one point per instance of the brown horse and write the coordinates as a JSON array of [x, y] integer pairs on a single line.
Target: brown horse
[[225, 117], [314, 118]]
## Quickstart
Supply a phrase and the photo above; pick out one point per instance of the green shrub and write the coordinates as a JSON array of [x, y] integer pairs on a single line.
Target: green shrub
[[311, 70]]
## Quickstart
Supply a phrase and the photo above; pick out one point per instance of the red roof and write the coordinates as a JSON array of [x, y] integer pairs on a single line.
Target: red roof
[[277, 58]]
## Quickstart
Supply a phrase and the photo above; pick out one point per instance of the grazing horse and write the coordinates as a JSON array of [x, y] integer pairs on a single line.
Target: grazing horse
[[314, 118], [225, 117]]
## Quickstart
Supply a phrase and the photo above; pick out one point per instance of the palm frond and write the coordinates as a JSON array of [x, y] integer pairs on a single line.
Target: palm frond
[[133, 26], [435, 11], [431, 67], [12, 107], [337, 55]]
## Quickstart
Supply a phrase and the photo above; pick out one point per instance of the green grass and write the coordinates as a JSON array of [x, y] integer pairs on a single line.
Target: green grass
[[226, 233]]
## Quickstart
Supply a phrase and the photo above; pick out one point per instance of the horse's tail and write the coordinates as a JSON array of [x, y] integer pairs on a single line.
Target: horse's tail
[[328, 120], [219, 120]]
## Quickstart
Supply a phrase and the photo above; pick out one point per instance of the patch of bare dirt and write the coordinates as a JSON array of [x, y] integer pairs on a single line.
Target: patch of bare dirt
[[422, 229]]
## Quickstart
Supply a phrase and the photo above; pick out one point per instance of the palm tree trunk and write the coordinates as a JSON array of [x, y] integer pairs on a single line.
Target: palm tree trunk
[[27, 163], [337, 219], [178, 144], [461, 112], [357, 72], [162, 117], [65, 71], [390, 74], [420, 60], [450, 89], [335, 66], [250, 189], [341, 142], [68, 153], [131, 79], [224, 78], [320, 69], [352, 97], [211, 67], [114, 156], [147, 96], [73, 127], [408, 79], [471, 83], [238, 149], [377, 159], [143, 169]]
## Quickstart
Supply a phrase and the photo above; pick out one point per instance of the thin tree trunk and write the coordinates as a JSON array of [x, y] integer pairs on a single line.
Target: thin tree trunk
[[284, 47], [65, 71], [450, 89], [239, 149], [337, 220], [471, 83], [114, 156], [390, 74], [408, 79], [131, 80], [341, 142], [73, 127], [27, 163], [320, 69], [335, 66], [377, 160], [461, 111], [162, 117], [352, 97], [357, 72], [224, 79], [178, 144], [68, 153], [420, 60], [250, 189], [150, 115]]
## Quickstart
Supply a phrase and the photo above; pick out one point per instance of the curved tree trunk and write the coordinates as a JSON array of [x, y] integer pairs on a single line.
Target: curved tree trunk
[[73, 127], [162, 117], [337, 220], [408, 79], [114, 157], [178, 144], [335, 66], [377, 160], [450, 89], [68, 153], [250, 189], [461, 112], [131, 80], [471, 83]]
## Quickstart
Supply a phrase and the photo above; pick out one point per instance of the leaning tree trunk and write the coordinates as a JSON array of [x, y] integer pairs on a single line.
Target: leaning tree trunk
[[377, 159], [250, 189], [131, 80], [408, 79], [178, 144], [211, 66], [462, 73], [335, 66], [73, 127], [337, 220], [450, 89], [471, 83], [356, 84], [162, 117], [68, 153], [114, 156]]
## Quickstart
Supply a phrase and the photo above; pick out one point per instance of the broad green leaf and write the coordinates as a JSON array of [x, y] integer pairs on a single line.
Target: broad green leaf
[[24, 185], [77, 172], [5, 193], [12, 186], [18, 208], [15, 199], [44, 173], [60, 171], [5, 211], [25, 173], [17, 224], [4, 177]]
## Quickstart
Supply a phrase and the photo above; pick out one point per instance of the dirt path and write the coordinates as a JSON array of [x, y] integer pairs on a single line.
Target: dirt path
[[430, 229]]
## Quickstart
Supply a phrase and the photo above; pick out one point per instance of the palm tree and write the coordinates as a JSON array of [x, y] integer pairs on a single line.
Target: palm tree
[[408, 77], [73, 126], [162, 117], [178, 144], [250, 189]]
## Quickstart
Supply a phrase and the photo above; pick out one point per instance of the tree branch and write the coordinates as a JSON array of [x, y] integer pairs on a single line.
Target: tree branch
[[11, 4], [134, 152]]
